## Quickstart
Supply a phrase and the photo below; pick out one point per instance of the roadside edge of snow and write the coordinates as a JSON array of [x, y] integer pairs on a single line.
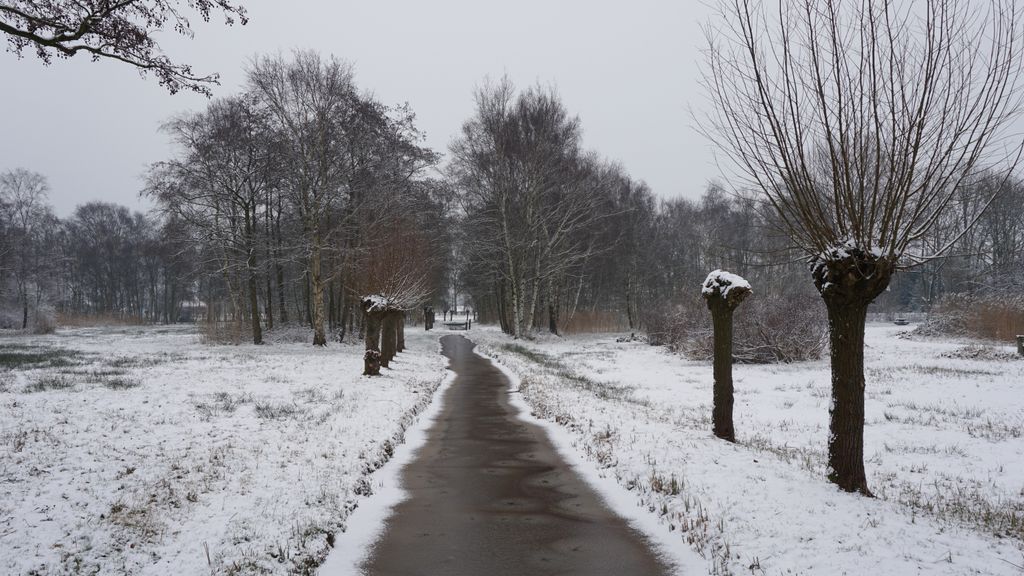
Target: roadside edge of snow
[[666, 545], [366, 523]]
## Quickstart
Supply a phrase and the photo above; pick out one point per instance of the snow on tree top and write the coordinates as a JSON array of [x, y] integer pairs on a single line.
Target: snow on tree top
[[377, 302], [723, 282], [846, 249]]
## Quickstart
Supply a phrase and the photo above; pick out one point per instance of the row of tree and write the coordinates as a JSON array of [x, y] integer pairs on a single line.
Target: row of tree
[[291, 194], [230, 237]]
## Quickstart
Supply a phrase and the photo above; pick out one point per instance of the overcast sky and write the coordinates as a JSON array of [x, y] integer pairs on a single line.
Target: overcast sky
[[629, 70]]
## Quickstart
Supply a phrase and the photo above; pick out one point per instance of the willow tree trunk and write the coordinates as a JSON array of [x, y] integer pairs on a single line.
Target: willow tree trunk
[[723, 292], [400, 342], [721, 318], [848, 286], [846, 427], [371, 359], [388, 338]]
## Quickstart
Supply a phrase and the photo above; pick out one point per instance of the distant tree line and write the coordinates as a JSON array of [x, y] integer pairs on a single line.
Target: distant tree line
[[102, 262], [287, 203], [292, 201], [553, 237]]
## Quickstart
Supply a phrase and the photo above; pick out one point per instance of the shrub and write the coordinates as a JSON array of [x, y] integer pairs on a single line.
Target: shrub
[[767, 329], [995, 315], [215, 332], [43, 320]]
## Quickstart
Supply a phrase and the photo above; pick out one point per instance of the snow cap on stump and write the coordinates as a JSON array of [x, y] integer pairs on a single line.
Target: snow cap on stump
[[730, 287]]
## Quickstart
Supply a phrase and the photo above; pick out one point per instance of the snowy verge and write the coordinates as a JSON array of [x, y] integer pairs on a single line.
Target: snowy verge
[[943, 453], [143, 451], [621, 501], [365, 525]]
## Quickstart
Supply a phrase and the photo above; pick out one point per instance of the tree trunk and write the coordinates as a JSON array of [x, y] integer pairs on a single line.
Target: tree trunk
[[721, 317], [332, 318], [305, 300], [554, 307], [629, 302], [345, 312], [254, 305], [371, 359], [270, 303], [846, 426], [848, 286], [517, 309], [723, 293], [502, 300], [531, 315], [388, 338], [374, 322], [319, 336], [400, 343], [282, 304]]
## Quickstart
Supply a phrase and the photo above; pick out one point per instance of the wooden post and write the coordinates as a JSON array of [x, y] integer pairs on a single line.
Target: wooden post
[[1020, 344]]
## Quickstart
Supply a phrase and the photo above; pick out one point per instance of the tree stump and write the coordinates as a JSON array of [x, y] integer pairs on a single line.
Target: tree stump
[[428, 317], [1020, 344], [723, 292], [371, 363]]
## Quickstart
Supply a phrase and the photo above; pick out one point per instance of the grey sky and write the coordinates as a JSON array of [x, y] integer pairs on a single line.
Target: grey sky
[[629, 70]]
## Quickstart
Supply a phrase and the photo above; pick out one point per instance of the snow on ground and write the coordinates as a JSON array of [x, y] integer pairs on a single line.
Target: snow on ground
[[144, 451], [944, 448]]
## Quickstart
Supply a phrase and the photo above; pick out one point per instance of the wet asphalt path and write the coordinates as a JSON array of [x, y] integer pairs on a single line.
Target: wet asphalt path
[[489, 496]]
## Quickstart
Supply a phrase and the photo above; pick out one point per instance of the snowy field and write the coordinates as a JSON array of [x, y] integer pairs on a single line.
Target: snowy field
[[944, 449], [144, 451]]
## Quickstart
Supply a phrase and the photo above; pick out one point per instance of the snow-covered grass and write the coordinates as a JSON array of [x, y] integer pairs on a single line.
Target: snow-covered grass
[[144, 451], [944, 448]]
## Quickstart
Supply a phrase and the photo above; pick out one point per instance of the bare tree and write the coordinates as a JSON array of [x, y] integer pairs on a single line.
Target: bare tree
[[858, 121], [28, 220], [528, 190], [311, 99], [125, 31], [218, 186]]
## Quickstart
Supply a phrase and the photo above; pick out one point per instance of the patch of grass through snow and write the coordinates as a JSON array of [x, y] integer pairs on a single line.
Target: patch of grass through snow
[[48, 382], [276, 411], [20, 357]]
